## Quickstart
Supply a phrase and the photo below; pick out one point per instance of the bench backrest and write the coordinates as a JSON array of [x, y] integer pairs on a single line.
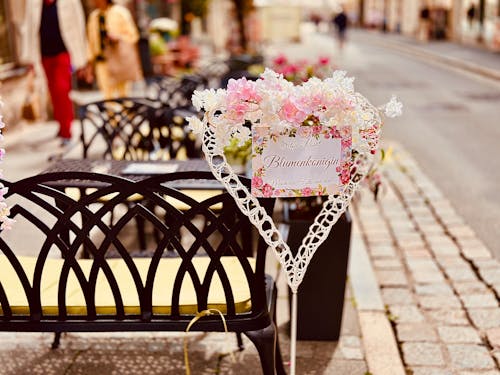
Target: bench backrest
[[52, 227]]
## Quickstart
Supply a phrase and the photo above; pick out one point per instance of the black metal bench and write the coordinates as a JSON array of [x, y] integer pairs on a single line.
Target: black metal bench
[[52, 290]]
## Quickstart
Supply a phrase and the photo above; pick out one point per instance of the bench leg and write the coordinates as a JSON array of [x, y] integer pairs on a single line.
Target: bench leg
[[57, 340], [265, 342]]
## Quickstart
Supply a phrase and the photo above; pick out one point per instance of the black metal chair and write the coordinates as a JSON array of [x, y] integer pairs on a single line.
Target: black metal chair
[[134, 129], [174, 92], [211, 270]]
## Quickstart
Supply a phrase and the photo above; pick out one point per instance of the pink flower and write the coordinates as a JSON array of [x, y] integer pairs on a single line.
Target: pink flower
[[267, 190], [317, 102], [346, 142], [291, 113], [334, 132], [306, 192], [324, 60], [345, 131], [316, 129], [280, 60], [257, 182], [236, 111], [290, 70], [242, 90], [345, 172], [304, 131]]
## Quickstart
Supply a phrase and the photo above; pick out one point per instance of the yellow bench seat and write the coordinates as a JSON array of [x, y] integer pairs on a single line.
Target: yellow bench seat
[[104, 300]]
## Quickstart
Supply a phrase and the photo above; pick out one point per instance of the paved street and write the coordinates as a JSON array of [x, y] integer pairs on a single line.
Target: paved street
[[423, 285], [450, 123]]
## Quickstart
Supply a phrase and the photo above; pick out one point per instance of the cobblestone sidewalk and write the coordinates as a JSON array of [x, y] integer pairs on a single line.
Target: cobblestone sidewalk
[[439, 283]]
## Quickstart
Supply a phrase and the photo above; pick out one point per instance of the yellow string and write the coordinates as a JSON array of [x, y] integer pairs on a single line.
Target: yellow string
[[197, 317]]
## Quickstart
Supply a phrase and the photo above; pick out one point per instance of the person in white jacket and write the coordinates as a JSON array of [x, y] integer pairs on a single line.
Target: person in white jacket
[[54, 33]]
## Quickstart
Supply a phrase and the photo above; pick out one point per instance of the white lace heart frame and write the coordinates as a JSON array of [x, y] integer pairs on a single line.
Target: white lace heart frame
[[295, 267]]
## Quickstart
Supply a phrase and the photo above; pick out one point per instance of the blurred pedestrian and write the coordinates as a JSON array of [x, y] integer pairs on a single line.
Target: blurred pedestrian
[[340, 22], [315, 19], [111, 26], [424, 24], [471, 14], [55, 34]]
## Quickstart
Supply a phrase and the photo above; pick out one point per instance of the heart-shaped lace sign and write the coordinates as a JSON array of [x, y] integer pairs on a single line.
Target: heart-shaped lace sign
[[272, 100]]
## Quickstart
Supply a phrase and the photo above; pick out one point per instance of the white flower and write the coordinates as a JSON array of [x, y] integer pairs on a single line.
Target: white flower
[[243, 134], [270, 79], [212, 99], [222, 137], [195, 124], [339, 78], [394, 108], [254, 116], [197, 99]]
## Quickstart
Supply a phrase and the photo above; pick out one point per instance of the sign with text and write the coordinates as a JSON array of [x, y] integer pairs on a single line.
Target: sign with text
[[302, 162]]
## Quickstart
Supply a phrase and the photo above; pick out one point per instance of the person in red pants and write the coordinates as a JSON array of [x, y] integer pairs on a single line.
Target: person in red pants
[[56, 35]]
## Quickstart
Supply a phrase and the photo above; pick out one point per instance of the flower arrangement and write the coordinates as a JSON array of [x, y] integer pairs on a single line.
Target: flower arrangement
[[302, 70], [272, 104], [5, 221]]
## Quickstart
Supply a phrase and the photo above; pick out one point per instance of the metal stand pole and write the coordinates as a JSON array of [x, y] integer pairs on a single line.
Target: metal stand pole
[[293, 333]]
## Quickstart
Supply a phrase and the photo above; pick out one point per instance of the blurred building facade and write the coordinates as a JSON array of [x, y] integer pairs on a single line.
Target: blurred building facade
[[448, 18]]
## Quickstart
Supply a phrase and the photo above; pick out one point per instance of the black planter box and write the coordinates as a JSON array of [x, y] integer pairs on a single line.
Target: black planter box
[[320, 297]]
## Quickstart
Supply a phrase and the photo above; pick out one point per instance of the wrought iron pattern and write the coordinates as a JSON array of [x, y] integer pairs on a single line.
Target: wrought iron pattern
[[173, 92]]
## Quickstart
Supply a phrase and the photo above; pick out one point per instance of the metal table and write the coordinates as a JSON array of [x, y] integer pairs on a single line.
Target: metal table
[[134, 170]]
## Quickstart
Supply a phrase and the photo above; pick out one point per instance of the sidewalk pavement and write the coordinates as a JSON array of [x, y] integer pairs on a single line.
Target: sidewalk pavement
[[438, 283], [422, 294]]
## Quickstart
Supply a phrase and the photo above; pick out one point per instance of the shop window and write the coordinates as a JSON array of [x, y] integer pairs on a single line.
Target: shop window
[[7, 53]]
